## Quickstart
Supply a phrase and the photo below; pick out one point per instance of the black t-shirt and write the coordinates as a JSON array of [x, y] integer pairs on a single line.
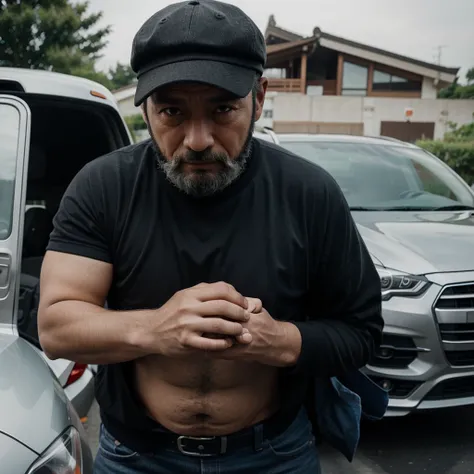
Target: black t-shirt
[[281, 232]]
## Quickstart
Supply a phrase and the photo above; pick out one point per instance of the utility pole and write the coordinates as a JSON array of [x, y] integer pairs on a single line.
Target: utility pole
[[440, 52]]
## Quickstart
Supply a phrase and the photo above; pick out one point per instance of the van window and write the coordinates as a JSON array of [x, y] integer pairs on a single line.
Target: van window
[[9, 134]]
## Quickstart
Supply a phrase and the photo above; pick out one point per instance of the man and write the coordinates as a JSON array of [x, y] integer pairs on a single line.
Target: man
[[232, 270]]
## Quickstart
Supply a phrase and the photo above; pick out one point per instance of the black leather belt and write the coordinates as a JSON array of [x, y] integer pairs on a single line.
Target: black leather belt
[[205, 446], [209, 446], [155, 438]]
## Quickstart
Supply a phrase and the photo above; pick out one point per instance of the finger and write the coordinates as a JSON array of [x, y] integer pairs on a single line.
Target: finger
[[223, 309], [254, 305], [231, 353], [206, 344], [217, 326], [221, 291], [245, 337], [213, 335]]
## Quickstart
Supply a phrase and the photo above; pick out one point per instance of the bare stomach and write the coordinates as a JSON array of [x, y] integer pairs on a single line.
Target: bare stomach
[[206, 397]]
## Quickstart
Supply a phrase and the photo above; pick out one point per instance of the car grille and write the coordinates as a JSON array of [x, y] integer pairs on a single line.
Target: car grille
[[457, 297], [454, 388], [457, 332], [460, 358], [458, 338]]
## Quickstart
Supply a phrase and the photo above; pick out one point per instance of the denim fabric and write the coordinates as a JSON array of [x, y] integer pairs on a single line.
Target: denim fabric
[[292, 452], [340, 406], [373, 398]]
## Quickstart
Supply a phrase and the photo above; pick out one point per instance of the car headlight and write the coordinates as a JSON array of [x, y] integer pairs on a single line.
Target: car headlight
[[64, 456], [396, 283]]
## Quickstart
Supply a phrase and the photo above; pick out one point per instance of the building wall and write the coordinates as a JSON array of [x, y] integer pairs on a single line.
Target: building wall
[[266, 119], [127, 107], [428, 89], [370, 111]]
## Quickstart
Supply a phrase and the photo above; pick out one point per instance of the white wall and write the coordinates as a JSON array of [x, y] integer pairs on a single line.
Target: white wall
[[127, 107], [428, 88], [371, 111], [266, 119]]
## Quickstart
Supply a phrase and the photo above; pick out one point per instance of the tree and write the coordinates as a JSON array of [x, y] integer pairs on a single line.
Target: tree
[[121, 75], [470, 75], [135, 124], [456, 91], [462, 133], [53, 35]]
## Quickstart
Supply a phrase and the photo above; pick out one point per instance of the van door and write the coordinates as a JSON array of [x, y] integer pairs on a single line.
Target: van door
[[15, 124]]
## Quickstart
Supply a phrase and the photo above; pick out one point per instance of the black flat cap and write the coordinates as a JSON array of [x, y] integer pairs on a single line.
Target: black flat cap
[[202, 41]]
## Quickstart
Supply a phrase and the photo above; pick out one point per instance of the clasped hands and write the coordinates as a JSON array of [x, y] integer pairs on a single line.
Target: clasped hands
[[215, 318]]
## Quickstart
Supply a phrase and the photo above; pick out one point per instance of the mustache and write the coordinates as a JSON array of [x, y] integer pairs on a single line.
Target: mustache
[[206, 156]]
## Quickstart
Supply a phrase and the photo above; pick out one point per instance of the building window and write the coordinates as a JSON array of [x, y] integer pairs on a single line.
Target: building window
[[392, 83], [354, 79], [268, 114]]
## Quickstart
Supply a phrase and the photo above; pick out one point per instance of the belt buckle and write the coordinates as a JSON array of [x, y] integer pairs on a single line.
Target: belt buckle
[[182, 445]]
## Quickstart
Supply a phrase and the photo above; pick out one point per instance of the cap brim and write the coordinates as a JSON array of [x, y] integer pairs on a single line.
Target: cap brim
[[235, 79]]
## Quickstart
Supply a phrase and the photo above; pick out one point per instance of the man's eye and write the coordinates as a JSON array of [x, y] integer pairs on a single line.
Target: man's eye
[[224, 109], [171, 111]]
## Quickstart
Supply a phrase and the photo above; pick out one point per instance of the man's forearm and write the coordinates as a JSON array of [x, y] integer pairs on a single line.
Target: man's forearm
[[86, 333]]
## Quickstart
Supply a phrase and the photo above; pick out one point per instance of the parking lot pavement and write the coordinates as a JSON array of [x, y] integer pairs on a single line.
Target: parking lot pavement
[[431, 443]]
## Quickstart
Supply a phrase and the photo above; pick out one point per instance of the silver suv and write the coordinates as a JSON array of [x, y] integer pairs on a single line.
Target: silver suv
[[416, 216]]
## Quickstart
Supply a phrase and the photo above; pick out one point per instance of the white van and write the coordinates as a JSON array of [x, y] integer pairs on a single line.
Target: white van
[[51, 125]]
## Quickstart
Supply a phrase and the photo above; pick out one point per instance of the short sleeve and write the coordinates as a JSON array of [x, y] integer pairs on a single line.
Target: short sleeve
[[80, 225]]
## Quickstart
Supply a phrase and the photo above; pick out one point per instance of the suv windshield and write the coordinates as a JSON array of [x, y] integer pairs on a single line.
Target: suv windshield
[[384, 177], [10, 120]]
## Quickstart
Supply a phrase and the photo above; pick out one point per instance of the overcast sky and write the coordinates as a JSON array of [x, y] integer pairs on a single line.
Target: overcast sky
[[415, 28]]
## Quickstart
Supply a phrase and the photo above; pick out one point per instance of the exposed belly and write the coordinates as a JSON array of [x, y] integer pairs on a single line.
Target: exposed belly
[[204, 396]]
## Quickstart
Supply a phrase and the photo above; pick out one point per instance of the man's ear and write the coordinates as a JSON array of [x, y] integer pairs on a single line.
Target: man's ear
[[260, 97]]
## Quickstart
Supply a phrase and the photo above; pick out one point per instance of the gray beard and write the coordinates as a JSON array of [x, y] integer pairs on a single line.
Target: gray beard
[[202, 184]]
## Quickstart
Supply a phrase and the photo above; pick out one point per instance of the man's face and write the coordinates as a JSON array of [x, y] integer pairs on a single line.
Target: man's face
[[202, 134]]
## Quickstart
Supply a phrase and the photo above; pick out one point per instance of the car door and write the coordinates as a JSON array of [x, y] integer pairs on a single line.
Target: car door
[[15, 125], [14, 151]]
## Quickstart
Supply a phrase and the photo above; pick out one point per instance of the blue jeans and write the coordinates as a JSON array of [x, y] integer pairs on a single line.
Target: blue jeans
[[291, 452]]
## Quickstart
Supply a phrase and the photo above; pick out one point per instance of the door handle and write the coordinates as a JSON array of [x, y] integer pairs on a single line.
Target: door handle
[[5, 264], [4, 273]]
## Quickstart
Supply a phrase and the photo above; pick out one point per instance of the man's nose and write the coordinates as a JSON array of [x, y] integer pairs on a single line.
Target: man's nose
[[199, 136]]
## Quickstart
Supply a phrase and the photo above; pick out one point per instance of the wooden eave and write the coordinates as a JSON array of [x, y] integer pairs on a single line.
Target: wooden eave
[[278, 53]]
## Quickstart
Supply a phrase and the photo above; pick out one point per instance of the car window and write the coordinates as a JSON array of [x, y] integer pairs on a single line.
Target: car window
[[384, 176], [432, 183], [9, 134]]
